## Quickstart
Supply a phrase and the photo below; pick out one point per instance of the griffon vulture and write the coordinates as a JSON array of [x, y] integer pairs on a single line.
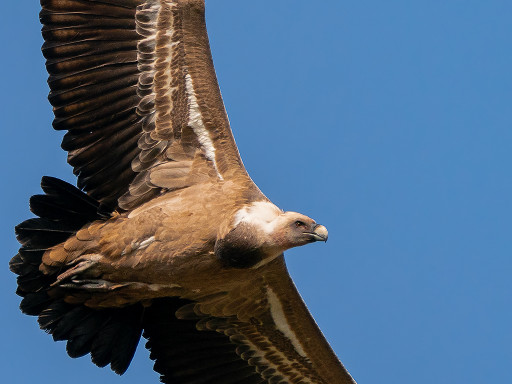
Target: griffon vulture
[[166, 235]]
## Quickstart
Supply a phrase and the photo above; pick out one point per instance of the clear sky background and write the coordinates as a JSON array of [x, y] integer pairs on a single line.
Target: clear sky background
[[388, 121]]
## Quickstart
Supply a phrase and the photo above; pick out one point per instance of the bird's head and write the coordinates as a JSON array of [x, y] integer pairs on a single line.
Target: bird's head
[[261, 232], [294, 229]]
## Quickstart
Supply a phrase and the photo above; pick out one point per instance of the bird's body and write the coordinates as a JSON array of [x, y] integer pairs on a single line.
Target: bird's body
[[149, 243], [172, 240]]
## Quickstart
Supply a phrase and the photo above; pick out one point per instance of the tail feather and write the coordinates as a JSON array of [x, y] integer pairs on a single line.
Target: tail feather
[[42, 233], [110, 335], [30, 255], [34, 303], [76, 200]]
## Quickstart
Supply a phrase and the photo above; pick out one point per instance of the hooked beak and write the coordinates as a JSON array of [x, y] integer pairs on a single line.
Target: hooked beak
[[319, 233]]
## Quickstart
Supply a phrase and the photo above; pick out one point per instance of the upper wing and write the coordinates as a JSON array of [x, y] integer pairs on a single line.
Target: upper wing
[[259, 333], [133, 83]]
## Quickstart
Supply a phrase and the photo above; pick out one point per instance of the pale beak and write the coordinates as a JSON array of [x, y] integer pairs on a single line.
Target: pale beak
[[319, 233]]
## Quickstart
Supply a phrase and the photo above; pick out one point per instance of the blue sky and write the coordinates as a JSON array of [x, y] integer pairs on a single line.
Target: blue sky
[[389, 122]]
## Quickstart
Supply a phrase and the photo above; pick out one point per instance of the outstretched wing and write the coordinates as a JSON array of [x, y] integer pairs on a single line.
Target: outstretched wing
[[259, 333], [133, 83]]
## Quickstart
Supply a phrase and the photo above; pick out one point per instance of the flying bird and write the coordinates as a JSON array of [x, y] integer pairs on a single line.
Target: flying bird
[[166, 236]]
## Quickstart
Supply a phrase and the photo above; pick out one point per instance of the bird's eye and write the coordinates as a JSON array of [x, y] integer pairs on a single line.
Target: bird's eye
[[299, 223]]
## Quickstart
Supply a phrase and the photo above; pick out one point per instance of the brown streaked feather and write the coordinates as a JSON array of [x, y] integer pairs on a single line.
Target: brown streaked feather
[[113, 8], [84, 91], [87, 20], [118, 79], [65, 83]]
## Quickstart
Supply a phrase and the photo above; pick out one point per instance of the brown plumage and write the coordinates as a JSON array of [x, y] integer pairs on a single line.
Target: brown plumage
[[171, 239]]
